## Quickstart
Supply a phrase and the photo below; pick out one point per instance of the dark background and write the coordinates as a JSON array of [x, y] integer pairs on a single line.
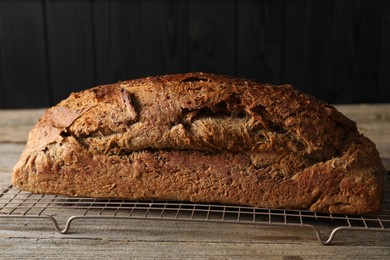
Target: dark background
[[338, 51]]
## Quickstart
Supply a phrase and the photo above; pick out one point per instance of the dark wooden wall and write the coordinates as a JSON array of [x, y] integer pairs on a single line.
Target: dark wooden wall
[[336, 50]]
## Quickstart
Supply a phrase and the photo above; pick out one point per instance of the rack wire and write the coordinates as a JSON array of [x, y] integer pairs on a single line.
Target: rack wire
[[22, 205]]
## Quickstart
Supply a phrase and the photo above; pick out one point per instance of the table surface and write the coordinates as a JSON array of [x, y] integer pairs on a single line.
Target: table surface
[[112, 239]]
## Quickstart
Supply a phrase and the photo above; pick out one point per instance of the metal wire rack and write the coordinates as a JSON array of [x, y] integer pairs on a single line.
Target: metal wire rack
[[18, 204]]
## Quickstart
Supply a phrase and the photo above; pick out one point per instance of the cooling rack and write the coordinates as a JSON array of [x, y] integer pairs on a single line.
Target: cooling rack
[[21, 205]]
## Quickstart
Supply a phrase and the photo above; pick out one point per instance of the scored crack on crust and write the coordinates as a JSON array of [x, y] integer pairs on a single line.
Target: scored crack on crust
[[203, 138]]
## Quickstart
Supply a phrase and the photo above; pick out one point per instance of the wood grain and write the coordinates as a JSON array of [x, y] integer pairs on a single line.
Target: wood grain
[[260, 35], [23, 67], [178, 240], [212, 36], [119, 46], [70, 46], [355, 50], [335, 50], [384, 62], [157, 44]]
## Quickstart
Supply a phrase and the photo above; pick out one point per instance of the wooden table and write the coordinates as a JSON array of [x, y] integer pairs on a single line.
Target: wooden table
[[114, 239]]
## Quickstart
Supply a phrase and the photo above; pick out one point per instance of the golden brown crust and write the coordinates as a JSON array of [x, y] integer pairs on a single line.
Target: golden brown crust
[[203, 137]]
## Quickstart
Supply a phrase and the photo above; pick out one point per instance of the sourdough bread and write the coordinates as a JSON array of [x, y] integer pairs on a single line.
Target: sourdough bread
[[203, 138]]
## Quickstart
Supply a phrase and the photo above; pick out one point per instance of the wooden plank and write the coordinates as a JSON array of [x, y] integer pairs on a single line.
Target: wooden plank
[[164, 23], [212, 36], [320, 62], [15, 124], [306, 64], [171, 239], [71, 47], [355, 50], [155, 44], [9, 155], [383, 94], [23, 75], [342, 50], [332, 49], [118, 40], [179, 238], [259, 40], [335, 50], [368, 47], [14, 128], [299, 25]]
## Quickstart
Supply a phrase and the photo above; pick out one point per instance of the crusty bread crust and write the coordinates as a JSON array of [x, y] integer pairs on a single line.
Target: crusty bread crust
[[203, 138]]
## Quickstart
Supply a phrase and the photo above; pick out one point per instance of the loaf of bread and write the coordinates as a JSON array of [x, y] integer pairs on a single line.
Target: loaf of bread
[[203, 138]]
